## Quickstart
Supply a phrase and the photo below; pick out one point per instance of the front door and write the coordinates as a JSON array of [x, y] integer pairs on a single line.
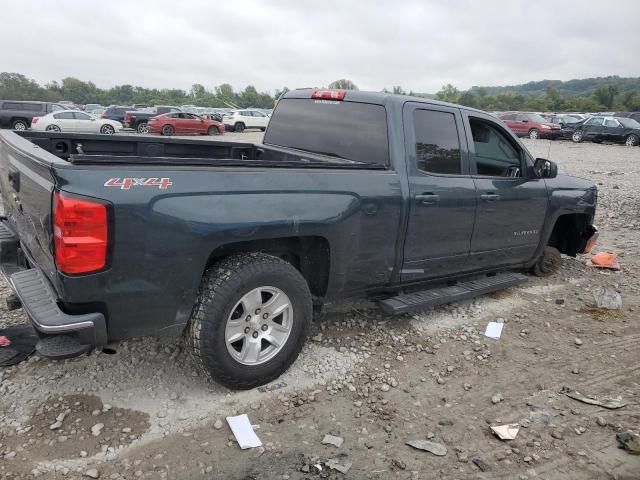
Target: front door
[[442, 195], [84, 122], [512, 206]]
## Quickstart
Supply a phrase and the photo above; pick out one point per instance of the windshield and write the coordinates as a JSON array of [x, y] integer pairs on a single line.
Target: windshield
[[628, 122], [534, 117], [349, 130]]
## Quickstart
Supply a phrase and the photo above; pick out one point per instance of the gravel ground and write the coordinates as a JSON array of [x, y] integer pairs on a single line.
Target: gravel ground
[[377, 382]]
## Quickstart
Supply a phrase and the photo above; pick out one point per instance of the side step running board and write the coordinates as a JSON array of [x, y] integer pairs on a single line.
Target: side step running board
[[424, 299]]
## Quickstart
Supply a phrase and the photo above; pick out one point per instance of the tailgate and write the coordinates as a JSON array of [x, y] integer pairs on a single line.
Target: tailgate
[[27, 183]]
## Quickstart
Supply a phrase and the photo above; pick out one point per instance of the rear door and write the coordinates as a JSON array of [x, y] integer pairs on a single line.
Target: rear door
[[66, 121], [612, 131], [511, 206], [442, 194], [592, 129], [247, 118]]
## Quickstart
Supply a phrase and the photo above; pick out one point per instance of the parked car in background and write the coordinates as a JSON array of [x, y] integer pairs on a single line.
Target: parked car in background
[[90, 107], [18, 114], [568, 124], [182, 122], [532, 125], [74, 121], [240, 120], [633, 115], [138, 119], [608, 129], [116, 113]]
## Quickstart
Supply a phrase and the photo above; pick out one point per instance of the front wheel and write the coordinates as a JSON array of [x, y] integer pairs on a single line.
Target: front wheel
[[548, 262], [577, 137], [631, 141], [250, 320], [213, 131], [534, 134], [107, 130]]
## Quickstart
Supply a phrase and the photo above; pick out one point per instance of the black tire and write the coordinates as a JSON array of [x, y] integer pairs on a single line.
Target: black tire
[[107, 130], [20, 124], [631, 140], [213, 131], [222, 286], [168, 130], [143, 128], [238, 127], [534, 134], [53, 128], [548, 262]]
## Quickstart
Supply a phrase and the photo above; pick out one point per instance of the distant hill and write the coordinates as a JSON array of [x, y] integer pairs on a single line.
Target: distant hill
[[570, 88]]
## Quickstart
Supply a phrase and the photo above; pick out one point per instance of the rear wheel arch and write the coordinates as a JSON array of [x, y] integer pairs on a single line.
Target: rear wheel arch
[[310, 255]]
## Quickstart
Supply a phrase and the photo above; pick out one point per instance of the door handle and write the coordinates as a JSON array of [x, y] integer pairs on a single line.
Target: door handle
[[490, 197], [427, 198]]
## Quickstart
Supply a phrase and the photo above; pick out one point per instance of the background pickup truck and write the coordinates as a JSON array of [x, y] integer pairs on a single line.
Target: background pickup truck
[[409, 201], [138, 120]]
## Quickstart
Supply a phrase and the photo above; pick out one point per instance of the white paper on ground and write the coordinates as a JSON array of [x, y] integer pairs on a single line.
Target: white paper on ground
[[506, 432], [243, 431], [494, 330]]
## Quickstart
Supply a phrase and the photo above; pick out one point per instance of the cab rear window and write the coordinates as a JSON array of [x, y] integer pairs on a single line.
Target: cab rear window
[[349, 130]]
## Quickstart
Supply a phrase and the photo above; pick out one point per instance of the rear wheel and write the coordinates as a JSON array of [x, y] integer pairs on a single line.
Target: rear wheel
[[20, 125], [168, 130], [548, 262], [632, 140], [107, 130], [53, 128], [534, 134], [213, 131], [238, 127], [577, 136], [143, 127], [250, 320]]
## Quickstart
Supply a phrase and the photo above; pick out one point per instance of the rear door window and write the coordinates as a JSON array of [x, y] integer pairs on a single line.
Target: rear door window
[[63, 116], [437, 142], [349, 130]]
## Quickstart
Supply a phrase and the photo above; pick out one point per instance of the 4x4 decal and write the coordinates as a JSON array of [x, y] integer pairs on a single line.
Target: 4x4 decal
[[127, 183]]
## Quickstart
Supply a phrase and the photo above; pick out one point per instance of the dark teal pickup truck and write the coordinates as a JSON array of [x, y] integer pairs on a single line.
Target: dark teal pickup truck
[[407, 201]]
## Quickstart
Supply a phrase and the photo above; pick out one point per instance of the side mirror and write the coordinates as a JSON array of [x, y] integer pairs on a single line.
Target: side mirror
[[544, 168]]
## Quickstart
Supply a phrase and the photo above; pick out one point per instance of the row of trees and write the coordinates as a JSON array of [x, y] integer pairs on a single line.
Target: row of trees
[[16, 86], [603, 97]]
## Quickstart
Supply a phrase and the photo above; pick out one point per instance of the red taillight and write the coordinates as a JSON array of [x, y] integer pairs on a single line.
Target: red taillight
[[34, 120], [328, 94], [79, 234]]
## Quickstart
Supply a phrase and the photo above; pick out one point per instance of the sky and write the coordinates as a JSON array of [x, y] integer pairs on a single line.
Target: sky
[[420, 45]]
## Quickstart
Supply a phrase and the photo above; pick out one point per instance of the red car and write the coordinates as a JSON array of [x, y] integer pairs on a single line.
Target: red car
[[178, 122], [531, 125]]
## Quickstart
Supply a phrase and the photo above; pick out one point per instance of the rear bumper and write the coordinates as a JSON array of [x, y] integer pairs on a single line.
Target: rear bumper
[[40, 301]]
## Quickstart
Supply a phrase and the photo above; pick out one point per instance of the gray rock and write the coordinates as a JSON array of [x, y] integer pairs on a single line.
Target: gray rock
[[607, 298], [428, 446], [97, 429], [497, 398], [92, 473], [217, 424], [55, 426], [333, 440]]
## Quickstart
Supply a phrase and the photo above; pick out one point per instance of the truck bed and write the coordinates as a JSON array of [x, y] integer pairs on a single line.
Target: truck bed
[[92, 149]]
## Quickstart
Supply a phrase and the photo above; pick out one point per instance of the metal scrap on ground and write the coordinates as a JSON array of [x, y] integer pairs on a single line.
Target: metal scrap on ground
[[432, 447], [610, 403]]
